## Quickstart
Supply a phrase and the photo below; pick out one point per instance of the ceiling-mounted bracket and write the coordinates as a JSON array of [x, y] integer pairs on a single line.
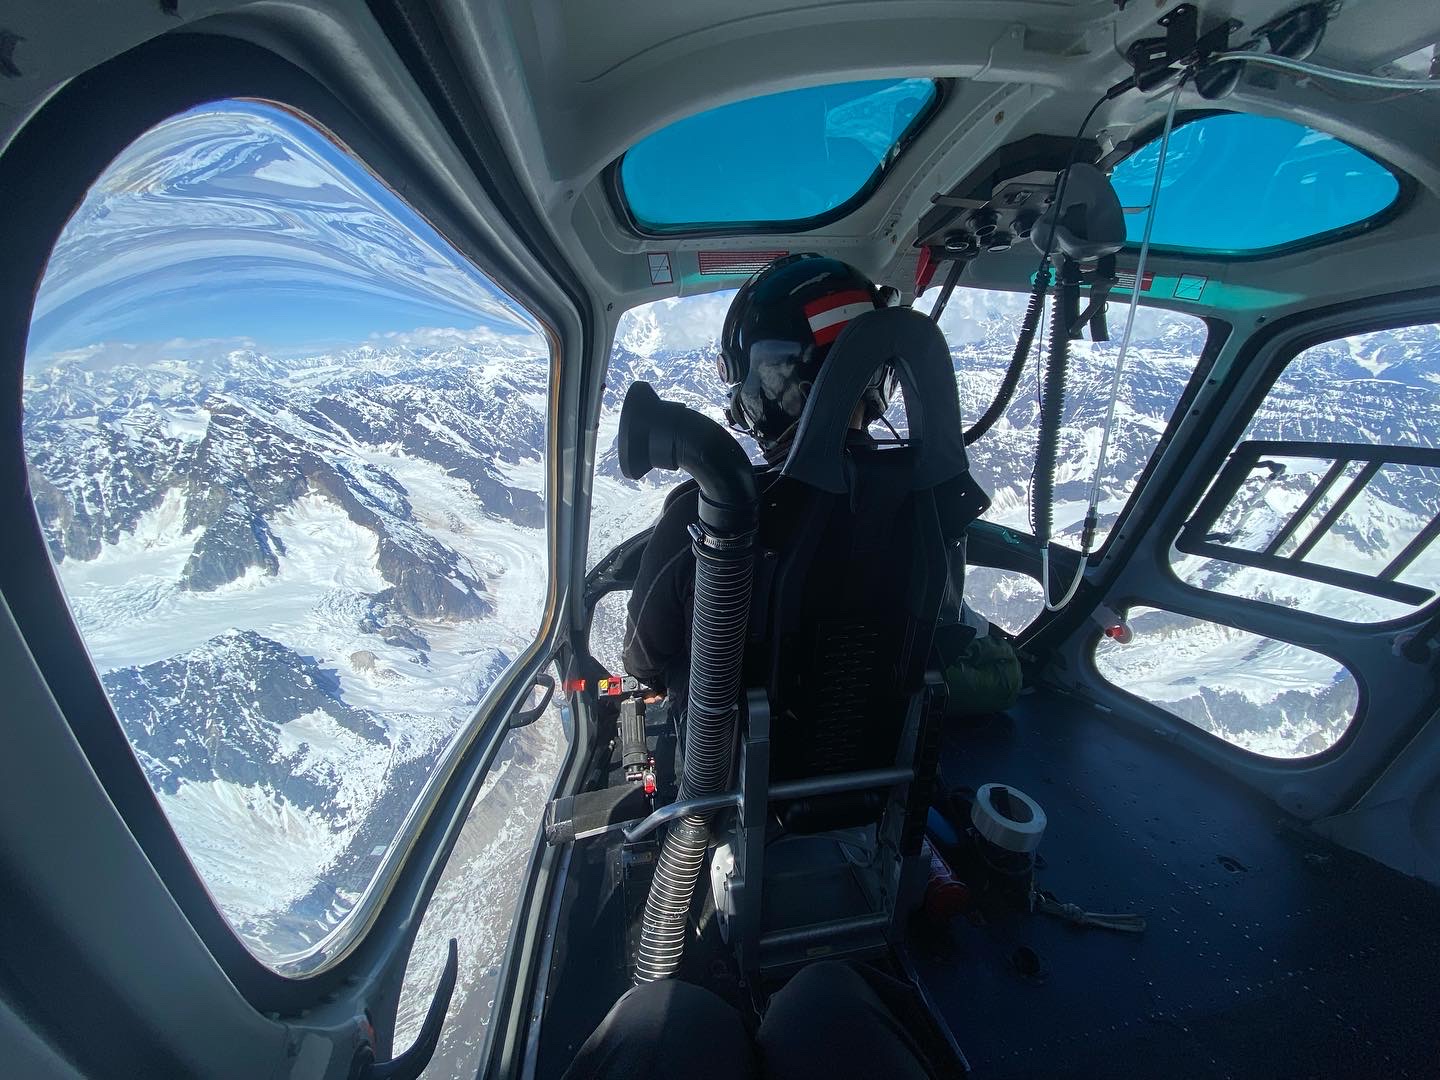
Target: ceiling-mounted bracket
[[1156, 60]]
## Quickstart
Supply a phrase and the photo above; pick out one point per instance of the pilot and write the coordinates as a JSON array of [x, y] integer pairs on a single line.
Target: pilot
[[778, 330]]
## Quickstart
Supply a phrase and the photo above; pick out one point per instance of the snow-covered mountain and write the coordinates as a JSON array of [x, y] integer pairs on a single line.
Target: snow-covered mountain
[[298, 577], [297, 580]]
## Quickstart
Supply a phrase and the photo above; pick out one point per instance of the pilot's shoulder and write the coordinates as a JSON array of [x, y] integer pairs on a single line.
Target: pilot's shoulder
[[683, 497]]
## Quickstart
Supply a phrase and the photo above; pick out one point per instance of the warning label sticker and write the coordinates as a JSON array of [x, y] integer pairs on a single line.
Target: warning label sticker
[[1125, 279]]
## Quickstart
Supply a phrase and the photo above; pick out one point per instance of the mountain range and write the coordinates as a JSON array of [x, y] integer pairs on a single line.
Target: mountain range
[[298, 577]]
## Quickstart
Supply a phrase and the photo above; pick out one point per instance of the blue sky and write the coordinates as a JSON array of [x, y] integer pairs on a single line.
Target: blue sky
[[239, 224]]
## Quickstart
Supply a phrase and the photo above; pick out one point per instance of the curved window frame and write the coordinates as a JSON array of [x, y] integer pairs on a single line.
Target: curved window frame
[[78, 133], [1403, 197], [615, 190]]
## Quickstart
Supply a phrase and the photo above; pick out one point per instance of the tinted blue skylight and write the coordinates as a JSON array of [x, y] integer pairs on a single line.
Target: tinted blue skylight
[[784, 159], [1237, 184]]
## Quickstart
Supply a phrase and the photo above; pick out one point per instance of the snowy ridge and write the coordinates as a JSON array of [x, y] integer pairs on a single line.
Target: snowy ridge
[[299, 578]]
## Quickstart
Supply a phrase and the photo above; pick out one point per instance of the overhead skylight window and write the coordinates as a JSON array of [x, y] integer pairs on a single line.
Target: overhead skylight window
[[792, 160], [1243, 185]]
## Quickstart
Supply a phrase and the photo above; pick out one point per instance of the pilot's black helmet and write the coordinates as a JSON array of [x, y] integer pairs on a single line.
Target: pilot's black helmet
[[780, 326]]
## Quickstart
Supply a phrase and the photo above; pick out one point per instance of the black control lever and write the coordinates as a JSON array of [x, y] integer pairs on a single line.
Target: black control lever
[[410, 1064]]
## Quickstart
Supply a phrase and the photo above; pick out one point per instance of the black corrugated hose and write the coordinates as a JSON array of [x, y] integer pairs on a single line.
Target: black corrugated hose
[[1052, 403], [1023, 343], [668, 435], [722, 606]]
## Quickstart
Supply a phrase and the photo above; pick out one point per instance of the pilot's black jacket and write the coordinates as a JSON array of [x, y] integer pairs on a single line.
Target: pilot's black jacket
[[657, 633]]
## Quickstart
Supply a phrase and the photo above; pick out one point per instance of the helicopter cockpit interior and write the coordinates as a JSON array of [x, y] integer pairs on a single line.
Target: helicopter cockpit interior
[[354, 351]]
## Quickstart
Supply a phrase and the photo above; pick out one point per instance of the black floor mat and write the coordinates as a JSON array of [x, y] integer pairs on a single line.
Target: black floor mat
[[1269, 952]]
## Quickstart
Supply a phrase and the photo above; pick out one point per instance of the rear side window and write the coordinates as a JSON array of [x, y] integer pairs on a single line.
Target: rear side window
[[1263, 695], [1372, 390], [287, 449]]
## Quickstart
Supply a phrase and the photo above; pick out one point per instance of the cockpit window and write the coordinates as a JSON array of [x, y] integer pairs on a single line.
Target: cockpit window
[[1266, 696], [1246, 185], [981, 326], [287, 449], [784, 161]]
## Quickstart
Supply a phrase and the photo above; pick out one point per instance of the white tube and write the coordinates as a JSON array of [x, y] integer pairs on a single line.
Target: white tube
[[1301, 67]]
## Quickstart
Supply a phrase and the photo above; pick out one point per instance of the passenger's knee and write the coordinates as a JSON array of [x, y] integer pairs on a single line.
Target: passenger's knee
[[828, 978], [663, 1026]]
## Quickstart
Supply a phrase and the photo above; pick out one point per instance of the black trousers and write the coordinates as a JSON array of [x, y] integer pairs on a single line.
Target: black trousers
[[828, 1022]]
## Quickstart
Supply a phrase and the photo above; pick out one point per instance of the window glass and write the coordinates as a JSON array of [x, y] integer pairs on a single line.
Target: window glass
[[778, 159], [607, 630], [287, 450], [981, 326], [1381, 389], [1010, 600], [672, 344], [1263, 695], [475, 898], [1235, 184]]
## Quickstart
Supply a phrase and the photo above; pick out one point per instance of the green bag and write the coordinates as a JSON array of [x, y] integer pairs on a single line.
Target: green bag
[[982, 673]]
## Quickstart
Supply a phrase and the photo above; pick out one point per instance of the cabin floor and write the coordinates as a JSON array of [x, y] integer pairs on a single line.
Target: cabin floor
[[1268, 951]]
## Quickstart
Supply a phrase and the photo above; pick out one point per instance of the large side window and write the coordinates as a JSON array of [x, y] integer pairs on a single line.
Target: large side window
[[1302, 511], [287, 448], [981, 326]]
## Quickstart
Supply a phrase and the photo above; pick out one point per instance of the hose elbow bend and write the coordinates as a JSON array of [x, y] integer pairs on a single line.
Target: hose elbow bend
[[656, 434]]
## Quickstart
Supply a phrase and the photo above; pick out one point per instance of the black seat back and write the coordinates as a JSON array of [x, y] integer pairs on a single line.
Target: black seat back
[[854, 543]]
